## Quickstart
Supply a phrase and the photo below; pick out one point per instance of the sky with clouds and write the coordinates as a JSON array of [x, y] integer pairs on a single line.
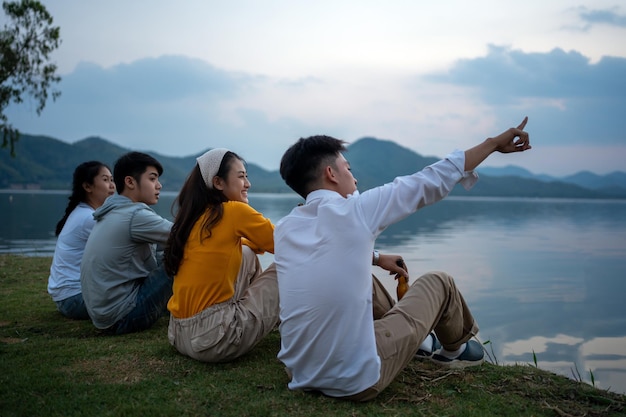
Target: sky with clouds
[[178, 78]]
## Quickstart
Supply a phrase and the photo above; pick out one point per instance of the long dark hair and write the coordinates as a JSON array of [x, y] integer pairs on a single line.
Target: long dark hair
[[84, 173], [193, 200]]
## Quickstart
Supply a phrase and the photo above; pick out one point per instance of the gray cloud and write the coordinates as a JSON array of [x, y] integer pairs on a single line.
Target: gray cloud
[[156, 79], [569, 96], [505, 75], [607, 17]]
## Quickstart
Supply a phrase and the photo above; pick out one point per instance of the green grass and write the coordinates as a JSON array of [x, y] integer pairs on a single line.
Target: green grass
[[52, 366]]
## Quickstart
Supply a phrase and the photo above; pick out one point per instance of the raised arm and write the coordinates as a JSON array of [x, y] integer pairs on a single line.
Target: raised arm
[[511, 140]]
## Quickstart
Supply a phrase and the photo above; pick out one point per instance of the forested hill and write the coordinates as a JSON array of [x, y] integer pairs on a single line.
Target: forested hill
[[47, 163]]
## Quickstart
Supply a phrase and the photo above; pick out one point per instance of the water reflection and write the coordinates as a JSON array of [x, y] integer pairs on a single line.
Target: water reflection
[[542, 276], [604, 357]]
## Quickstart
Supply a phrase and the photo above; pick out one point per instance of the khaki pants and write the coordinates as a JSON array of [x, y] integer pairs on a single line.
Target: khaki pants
[[230, 329], [433, 302]]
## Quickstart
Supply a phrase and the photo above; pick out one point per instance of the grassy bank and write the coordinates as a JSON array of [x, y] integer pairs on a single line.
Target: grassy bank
[[53, 366]]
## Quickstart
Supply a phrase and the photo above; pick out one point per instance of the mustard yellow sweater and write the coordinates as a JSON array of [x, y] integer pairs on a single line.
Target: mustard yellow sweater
[[210, 265]]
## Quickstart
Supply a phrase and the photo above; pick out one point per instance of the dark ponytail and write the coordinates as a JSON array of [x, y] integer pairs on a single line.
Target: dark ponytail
[[84, 173]]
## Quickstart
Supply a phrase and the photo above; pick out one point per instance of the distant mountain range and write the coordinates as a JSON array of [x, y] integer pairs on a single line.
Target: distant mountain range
[[43, 162], [584, 179]]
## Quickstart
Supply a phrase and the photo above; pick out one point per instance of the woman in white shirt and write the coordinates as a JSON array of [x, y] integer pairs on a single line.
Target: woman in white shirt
[[92, 183]]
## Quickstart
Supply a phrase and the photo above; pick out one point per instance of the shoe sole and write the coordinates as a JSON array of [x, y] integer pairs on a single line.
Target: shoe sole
[[457, 364], [423, 356]]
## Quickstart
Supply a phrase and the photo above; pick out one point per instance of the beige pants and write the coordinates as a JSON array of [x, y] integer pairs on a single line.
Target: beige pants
[[230, 329], [433, 302]]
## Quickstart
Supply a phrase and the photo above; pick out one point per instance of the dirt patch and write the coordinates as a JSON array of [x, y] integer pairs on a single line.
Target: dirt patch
[[11, 340], [114, 370]]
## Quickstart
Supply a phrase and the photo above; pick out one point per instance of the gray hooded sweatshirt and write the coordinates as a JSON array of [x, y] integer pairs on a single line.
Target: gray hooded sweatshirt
[[120, 252]]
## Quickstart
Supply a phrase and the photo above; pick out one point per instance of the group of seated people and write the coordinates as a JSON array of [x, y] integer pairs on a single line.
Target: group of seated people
[[122, 266]]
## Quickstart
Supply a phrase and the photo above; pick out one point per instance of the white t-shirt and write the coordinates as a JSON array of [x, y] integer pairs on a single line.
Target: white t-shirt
[[64, 279], [323, 252]]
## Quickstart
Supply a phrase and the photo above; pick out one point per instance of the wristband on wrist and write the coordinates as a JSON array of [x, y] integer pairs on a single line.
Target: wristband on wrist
[[376, 257]]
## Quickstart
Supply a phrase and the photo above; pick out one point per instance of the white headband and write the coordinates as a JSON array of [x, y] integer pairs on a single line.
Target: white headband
[[209, 164]]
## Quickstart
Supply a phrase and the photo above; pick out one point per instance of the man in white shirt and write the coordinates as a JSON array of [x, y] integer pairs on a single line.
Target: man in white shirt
[[330, 341]]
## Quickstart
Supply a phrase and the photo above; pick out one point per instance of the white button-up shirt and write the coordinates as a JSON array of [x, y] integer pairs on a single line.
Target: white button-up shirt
[[323, 252]]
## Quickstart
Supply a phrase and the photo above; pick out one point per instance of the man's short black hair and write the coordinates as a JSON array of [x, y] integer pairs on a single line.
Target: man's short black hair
[[133, 164], [301, 163]]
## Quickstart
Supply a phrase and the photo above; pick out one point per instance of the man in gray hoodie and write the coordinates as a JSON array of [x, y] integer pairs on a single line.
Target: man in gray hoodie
[[124, 286]]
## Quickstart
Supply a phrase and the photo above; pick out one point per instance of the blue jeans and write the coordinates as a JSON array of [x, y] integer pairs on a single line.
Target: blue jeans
[[151, 303], [73, 307]]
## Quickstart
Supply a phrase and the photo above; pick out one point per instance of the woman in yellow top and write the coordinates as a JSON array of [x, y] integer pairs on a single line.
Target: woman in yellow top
[[223, 303]]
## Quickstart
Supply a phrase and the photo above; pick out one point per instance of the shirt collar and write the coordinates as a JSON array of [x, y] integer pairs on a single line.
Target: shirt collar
[[324, 193]]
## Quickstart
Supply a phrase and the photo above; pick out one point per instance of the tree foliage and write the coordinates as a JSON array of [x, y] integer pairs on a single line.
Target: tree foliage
[[26, 42]]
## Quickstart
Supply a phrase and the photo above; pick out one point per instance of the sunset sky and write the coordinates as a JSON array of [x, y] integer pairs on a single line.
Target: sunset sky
[[178, 78]]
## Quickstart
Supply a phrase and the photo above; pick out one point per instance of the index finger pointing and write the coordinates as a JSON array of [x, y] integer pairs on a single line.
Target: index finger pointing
[[523, 124]]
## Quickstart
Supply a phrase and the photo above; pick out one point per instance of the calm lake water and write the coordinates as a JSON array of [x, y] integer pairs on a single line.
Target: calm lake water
[[541, 275]]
